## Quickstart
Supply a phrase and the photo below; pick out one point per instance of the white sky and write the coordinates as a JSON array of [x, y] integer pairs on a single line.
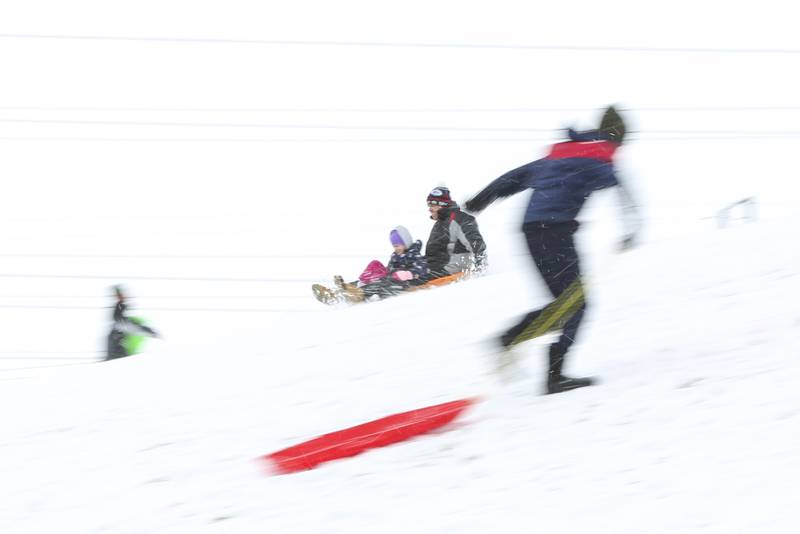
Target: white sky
[[45, 72]]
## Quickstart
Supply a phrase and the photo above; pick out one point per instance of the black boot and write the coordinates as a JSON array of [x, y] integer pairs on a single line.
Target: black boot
[[556, 382], [560, 383]]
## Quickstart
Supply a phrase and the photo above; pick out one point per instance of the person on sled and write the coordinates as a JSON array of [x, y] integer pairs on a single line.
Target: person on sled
[[127, 333], [406, 268], [455, 244]]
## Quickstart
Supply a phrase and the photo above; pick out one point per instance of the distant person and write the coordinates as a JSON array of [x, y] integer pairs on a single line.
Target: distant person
[[455, 244], [406, 268], [561, 183], [127, 333]]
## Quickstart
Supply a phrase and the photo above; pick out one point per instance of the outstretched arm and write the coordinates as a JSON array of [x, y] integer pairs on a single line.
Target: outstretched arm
[[149, 331], [631, 219], [508, 184]]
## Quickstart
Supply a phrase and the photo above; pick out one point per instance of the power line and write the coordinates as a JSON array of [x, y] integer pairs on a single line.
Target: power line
[[377, 128], [59, 358], [668, 109], [347, 127], [735, 137], [719, 132], [182, 256], [152, 297], [767, 136], [155, 278], [386, 44], [269, 126], [163, 309], [27, 351], [45, 366], [272, 140]]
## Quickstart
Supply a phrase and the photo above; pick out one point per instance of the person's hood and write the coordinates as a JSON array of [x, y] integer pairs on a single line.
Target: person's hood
[[401, 236]]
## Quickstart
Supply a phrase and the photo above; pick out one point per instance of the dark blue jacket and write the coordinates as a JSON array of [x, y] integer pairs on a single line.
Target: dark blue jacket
[[561, 181], [410, 260]]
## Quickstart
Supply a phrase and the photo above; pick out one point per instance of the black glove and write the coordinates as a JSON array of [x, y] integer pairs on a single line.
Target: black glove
[[480, 202], [471, 206], [627, 243]]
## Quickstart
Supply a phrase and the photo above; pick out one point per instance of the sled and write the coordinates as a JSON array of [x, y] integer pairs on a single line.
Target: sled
[[357, 439], [441, 281]]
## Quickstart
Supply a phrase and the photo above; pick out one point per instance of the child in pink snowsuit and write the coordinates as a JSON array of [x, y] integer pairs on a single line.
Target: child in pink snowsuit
[[406, 267]]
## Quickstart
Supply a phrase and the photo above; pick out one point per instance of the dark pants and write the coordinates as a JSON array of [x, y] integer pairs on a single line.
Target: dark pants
[[552, 248], [115, 349], [388, 287], [435, 271]]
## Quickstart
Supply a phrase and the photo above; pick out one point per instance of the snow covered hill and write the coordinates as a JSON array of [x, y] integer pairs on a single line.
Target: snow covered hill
[[693, 427]]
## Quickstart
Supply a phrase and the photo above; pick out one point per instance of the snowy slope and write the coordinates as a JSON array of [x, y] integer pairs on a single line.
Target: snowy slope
[[693, 428]]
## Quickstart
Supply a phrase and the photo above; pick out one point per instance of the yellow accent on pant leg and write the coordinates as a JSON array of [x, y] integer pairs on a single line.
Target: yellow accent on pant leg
[[559, 310]]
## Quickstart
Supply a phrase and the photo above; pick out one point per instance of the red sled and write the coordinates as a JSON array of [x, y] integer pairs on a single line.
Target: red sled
[[357, 439]]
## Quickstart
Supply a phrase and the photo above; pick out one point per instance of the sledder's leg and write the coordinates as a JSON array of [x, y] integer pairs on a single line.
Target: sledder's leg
[[384, 288], [115, 348], [349, 290], [553, 251], [565, 312], [353, 294], [324, 295]]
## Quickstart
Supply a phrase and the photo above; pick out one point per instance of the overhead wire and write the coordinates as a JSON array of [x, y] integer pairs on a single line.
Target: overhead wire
[[648, 109], [178, 256], [277, 126], [155, 278], [400, 44], [763, 136], [162, 309], [11, 369], [151, 297], [649, 135], [26, 355], [280, 126]]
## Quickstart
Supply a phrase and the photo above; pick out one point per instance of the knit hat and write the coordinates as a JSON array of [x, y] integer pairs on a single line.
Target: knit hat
[[401, 236], [440, 196], [612, 125]]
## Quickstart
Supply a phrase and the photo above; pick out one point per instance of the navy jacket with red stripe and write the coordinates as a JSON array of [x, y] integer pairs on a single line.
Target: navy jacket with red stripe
[[561, 181]]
